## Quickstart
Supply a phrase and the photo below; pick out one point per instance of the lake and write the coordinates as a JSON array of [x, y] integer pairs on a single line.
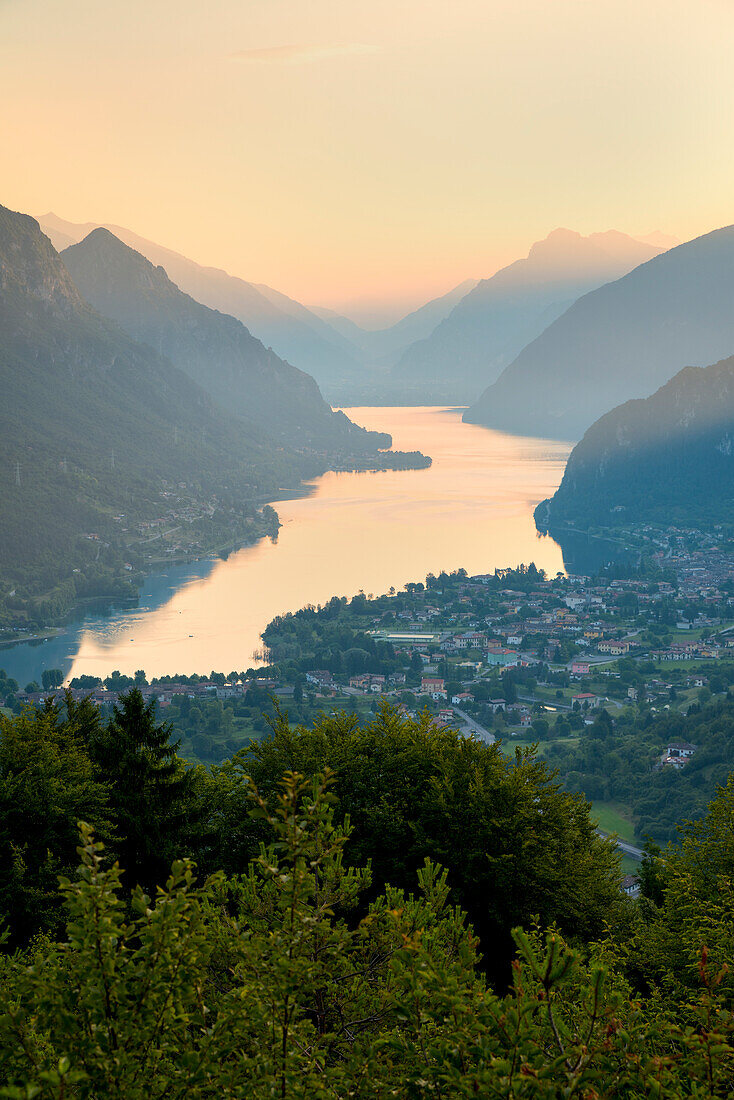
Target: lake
[[364, 531]]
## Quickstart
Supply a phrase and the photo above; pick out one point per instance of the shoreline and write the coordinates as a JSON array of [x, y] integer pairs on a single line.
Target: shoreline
[[76, 614]]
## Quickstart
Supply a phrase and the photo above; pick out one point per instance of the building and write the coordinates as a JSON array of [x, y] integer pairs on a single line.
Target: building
[[678, 753], [586, 700], [432, 683], [614, 648], [580, 668], [367, 681], [321, 677], [502, 658]]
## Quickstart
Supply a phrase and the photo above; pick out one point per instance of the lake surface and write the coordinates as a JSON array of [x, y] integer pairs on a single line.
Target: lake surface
[[368, 531]]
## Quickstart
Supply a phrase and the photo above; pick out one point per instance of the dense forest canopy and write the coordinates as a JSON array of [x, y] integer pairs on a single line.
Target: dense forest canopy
[[358, 911]]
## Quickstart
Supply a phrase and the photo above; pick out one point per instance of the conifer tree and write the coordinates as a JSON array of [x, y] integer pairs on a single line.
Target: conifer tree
[[150, 787]]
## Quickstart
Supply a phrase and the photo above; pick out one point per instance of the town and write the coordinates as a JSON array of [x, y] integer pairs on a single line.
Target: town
[[532, 661]]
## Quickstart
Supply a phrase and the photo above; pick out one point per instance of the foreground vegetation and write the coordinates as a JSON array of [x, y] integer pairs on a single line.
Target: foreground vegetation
[[353, 910]]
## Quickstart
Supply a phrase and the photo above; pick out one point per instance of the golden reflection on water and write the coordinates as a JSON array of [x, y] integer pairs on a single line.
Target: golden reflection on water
[[367, 531]]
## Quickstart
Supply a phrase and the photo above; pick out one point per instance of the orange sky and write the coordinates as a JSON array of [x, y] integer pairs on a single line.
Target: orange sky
[[352, 153]]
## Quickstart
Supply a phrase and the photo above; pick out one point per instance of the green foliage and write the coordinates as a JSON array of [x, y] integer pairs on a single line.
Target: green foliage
[[516, 844], [151, 797], [274, 993], [621, 763], [47, 782], [690, 891], [265, 986]]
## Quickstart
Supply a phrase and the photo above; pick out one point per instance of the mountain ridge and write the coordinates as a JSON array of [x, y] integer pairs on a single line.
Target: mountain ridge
[[503, 313], [213, 348], [299, 336], [667, 458], [95, 425], [620, 341]]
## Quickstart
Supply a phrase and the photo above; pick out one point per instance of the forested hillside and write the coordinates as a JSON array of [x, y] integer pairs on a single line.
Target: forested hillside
[[99, 434], [668, 459], [109, 448]]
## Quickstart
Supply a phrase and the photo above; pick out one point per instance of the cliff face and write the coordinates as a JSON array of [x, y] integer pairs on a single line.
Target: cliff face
[[667, 458], [621, 341]]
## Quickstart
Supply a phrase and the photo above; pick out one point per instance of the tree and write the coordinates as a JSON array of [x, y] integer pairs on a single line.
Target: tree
[[508, 688], [691, 900], [516, 845], [151, 789], [258, 987], [52, 678], [47, 783], [267, 986], [540, 728]]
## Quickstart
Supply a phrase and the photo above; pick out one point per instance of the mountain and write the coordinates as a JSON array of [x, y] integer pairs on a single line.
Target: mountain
[[492, 323], [386, 345], [294, 332], [621, 341], [99, 434], [666, 458], [347, 328], [212, 348]]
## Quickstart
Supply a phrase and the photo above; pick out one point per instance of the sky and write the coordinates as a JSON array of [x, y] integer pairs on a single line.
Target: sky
[[367, 156]]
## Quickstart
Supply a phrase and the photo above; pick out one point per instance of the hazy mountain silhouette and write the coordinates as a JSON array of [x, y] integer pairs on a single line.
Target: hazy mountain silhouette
[[91, 421], [492, 323], [343, 357], [214, 349], [621, 341], [384, 346], [668, 457], [294, 332]]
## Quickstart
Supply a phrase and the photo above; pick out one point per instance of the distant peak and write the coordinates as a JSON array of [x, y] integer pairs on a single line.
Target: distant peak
[[101, 238], [562, 234], [100, 233], [559, 242]]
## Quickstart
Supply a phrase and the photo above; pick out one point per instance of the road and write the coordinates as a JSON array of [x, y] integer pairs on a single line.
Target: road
[[628, 849], [474, 727]]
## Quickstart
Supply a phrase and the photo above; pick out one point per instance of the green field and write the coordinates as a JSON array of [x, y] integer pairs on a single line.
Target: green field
[[614, 817]]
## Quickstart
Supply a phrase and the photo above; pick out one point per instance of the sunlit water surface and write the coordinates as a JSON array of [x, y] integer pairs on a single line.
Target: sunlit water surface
[[368, 531]]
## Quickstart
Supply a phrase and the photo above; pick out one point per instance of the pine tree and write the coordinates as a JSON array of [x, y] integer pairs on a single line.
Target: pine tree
[[151, 790]]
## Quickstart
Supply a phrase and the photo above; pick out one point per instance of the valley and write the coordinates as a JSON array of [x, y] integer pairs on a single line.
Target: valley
[[366, 551], [350, 531]]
